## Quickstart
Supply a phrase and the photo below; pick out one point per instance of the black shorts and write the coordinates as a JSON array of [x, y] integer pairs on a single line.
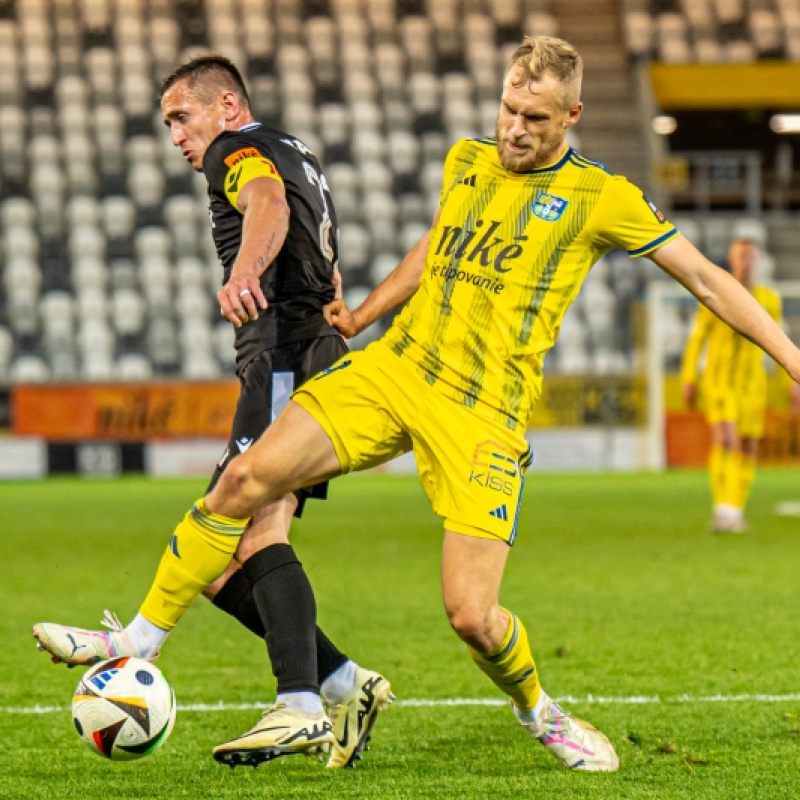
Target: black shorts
[[267, 383]]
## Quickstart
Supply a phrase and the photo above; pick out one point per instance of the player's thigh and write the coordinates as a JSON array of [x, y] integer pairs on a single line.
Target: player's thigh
[[471, 469], [355, 403]]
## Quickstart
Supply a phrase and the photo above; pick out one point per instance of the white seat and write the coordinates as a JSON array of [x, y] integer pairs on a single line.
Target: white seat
[[374, 175], [143, 149], [410, 234], [152, 242], [127, 311], [155, 274], [91, 304], [82, 211], [119, 216], [382, 265], [21, 273], [403, 152], [191, 272], [193, 302], [97, 366], [354, 246], [133, 367], [44, 149], [200, 365], [94, 336], [88, 272], [29, 369], [146, 184], [20, 243], [86, 240]]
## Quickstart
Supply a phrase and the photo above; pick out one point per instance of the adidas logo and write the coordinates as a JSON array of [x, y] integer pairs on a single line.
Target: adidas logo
[[469, 180], [500, 513]]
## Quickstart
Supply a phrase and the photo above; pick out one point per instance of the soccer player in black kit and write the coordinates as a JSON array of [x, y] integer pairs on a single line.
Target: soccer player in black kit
[[274, 227]]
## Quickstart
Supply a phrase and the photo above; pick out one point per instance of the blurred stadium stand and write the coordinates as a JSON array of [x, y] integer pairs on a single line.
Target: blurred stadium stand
[[108, 267]]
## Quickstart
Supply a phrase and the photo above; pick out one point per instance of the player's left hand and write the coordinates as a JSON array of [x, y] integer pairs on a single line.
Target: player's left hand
[[240, 298]]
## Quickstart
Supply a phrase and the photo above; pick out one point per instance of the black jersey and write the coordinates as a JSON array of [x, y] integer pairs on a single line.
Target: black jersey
[[299, 282]]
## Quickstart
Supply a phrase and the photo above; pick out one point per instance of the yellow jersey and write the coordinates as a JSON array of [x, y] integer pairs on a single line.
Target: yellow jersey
[[506, 259], [733, 363]]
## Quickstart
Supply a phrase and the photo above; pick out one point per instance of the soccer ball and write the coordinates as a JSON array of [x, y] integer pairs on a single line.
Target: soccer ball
[[123, 708]]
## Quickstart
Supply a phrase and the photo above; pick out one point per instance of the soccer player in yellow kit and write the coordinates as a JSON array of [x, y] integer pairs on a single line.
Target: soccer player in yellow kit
[[734, 383], [522, 218]]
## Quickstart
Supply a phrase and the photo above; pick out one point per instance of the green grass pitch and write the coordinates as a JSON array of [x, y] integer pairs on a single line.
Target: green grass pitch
[[625, 594]]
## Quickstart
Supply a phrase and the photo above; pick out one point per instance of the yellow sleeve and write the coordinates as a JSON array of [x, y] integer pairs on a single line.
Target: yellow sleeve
[[243, 166], [694, 347], [624, 218]]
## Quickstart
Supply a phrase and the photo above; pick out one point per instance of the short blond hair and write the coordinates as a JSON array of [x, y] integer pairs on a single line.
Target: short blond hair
[[540, 54]]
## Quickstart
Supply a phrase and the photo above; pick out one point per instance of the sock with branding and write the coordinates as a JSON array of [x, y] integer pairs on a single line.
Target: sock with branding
[[285, 602], [236, 598], [197, 554], [511, 667]]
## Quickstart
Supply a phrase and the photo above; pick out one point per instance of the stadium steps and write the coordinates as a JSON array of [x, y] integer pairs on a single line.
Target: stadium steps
[[609, 95]]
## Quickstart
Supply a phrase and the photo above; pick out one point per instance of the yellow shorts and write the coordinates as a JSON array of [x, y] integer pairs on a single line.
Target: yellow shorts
[[746, 411], [375, 406]]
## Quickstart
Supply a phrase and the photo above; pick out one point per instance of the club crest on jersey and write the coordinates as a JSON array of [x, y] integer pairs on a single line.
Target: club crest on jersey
[[549, 207]]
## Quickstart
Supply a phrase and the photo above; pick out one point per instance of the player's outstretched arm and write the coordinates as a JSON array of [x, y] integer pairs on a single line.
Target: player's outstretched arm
[[728, 299], [398, 286], [262, 201]]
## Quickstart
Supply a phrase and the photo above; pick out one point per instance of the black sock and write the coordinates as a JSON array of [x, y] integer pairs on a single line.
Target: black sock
[[236, 599], [285, 602]]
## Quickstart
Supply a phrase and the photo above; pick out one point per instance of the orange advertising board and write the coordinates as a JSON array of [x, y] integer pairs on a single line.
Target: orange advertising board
[[124, 412]]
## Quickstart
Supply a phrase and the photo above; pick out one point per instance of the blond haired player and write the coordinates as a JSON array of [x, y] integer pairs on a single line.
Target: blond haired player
[[734, 383], [522, 218]]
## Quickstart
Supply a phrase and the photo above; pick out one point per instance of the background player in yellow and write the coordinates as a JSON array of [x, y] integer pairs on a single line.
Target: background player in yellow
[[522, 218], [734, 385]]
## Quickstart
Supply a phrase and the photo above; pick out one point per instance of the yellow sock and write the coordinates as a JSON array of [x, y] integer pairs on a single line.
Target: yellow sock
[[511, 666], [732, 483], [747, 474], [716, 473], [197, 554]]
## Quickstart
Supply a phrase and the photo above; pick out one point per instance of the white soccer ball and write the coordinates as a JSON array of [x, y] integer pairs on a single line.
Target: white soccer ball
[[123, 708]]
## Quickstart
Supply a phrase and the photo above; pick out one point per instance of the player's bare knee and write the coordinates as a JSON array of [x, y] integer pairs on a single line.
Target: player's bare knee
[[239, 492], [472, 624]]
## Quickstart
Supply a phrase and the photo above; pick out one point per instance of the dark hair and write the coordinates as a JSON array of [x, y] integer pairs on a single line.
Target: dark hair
[[206, 76]]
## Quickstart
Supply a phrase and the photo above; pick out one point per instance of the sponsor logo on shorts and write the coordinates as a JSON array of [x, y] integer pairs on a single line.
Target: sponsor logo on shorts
[[501, 512], [494, 467]]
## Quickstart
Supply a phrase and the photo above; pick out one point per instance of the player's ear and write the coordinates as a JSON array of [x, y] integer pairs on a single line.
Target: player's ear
[[573, 115]]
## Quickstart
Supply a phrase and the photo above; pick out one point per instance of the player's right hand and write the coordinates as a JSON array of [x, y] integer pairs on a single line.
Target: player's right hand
[[240, 298]]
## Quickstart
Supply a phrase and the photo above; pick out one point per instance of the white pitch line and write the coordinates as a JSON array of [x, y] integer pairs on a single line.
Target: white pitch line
[[455, 702]]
